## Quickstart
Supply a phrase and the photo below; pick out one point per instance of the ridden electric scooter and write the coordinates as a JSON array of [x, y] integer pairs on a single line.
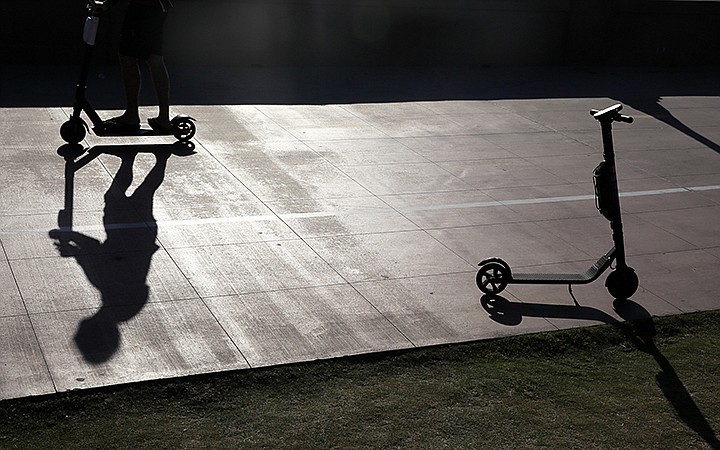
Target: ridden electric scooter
[[495, 274], [74, 130]]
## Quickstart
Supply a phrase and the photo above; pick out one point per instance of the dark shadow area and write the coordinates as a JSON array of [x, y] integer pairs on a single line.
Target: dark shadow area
[[119, 266], [641, 331], [654, 108], [509, 313], [54, 86], [638, 327]]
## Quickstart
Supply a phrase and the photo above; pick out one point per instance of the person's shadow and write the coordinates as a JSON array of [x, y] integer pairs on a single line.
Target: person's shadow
[[119, 266], [638, 327]]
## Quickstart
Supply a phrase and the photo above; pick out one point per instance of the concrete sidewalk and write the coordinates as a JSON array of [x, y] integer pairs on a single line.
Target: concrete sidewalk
[[297, 232]]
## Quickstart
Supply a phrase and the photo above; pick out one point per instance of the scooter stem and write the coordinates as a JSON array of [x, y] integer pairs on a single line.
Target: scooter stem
[[81, 103], [616, 222]]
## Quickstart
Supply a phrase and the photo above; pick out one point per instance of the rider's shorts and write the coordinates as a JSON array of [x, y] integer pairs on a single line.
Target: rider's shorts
[[142, 31]]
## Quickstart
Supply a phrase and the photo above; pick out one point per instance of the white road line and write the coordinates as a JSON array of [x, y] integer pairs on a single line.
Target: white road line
[[366, 211]]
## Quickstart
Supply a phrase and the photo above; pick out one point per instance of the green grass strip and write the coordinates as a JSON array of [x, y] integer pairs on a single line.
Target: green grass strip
[[648, 384]]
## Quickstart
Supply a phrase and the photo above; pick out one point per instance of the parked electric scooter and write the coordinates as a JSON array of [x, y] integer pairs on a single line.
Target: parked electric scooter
[[495, 274], [74, 130]]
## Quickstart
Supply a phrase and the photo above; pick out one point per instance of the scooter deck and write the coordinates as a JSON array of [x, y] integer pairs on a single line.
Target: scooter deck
[[590, 275], [99, 131]]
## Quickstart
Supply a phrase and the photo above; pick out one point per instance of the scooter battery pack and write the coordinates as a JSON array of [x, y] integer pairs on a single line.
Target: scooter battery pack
[[606, 196]]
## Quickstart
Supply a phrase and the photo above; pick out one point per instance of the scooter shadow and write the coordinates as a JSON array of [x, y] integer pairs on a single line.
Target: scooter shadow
[[638, 327], [71, 152], [117, 267], [509, 313]]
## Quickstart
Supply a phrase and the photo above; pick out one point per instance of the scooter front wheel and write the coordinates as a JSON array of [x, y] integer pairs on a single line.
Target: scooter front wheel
[[622, 283], [73, 131], [492, 278], [183, 128]]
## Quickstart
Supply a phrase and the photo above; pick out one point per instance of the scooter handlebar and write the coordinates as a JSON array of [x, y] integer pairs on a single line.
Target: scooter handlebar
[[95, 7], [612, 113]]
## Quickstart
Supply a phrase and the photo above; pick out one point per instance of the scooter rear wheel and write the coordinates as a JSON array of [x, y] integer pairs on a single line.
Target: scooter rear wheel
[[492, 278], [73, 131]]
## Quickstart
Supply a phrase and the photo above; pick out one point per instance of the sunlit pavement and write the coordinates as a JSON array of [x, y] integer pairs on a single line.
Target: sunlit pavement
[[343, 220]]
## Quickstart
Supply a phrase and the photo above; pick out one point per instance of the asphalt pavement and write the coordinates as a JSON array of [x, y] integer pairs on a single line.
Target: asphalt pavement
[[326, 212]]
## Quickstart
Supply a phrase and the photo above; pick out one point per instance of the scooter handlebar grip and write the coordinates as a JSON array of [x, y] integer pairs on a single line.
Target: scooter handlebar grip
[[612, 113]]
